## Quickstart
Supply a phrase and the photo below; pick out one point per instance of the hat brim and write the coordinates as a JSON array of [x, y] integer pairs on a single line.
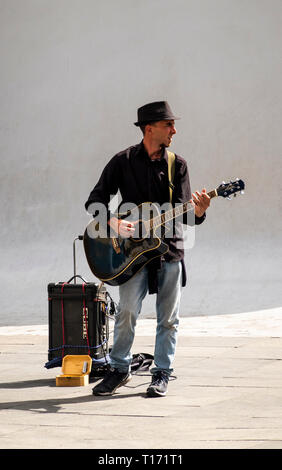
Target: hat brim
[[142, 123]]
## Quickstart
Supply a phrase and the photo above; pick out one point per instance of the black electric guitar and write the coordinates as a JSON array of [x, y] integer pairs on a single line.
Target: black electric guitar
[[114, 259]]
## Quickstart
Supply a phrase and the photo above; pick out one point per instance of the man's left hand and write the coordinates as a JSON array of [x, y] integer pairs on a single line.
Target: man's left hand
[[201, 202]]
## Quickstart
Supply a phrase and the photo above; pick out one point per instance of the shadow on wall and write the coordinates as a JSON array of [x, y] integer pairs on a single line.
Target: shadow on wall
[[222, 299], [218, 282]]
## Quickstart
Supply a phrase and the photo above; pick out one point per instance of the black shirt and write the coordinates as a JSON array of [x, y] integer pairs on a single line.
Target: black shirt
[[140, 179]]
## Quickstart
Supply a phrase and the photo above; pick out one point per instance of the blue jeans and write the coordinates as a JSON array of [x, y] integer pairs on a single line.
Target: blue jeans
[[132, 294]]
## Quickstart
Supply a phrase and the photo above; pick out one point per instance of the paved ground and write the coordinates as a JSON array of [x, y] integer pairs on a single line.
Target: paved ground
[[227, 394]]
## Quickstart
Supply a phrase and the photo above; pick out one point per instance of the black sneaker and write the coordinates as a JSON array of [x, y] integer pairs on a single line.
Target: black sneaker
[[158, 387], [112, 380]]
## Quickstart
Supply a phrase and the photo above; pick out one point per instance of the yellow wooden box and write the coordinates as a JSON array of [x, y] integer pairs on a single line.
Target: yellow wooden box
[[76, 370]]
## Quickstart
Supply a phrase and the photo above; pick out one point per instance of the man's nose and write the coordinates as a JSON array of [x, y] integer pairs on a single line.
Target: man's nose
[[173, 130]]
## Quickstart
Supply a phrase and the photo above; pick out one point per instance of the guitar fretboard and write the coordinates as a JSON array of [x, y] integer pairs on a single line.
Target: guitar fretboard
[[212, 193], [175, 212]]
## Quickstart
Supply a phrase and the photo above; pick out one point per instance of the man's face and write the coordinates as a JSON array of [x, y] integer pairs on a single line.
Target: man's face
[[162, 132]]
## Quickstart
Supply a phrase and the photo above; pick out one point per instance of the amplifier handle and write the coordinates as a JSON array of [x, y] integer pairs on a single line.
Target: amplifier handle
[[76, 275]]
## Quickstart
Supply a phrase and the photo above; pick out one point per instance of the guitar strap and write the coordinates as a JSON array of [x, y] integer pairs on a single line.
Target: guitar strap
[[171, 171]]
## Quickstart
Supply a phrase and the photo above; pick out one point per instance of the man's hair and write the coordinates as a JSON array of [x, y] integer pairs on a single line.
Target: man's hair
[[142, 127]]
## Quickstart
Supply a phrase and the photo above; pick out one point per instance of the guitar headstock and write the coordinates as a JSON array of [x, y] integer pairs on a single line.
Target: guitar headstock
[[228, 189]]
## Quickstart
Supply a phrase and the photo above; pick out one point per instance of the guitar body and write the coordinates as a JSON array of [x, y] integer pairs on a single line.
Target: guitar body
[[115, 260]]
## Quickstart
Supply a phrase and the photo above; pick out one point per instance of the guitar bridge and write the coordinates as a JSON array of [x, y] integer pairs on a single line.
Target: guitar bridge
[[115, 244]]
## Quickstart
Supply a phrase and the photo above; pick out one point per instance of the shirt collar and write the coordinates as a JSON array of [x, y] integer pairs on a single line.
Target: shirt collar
[[144, 152]]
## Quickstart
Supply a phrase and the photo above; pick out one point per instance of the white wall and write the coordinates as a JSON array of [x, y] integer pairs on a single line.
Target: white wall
[[73, 73]]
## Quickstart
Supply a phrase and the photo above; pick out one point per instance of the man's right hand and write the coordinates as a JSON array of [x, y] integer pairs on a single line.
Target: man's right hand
[[122, 227]]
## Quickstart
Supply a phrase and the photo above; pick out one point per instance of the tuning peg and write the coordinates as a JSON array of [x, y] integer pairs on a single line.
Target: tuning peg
[[235, 194], [223, 182], [229, 198], [242, 192]]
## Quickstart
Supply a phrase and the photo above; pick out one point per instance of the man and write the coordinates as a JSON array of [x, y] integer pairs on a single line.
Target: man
[[141, 175]]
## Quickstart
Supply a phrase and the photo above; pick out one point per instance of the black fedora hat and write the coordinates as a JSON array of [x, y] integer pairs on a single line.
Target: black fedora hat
[[152, 112]]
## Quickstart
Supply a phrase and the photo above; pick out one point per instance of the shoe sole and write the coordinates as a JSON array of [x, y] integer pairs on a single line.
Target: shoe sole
[[151, 392], [107, 394]]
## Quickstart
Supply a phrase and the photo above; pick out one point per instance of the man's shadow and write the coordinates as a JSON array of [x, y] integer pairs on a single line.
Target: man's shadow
[[53, 405]]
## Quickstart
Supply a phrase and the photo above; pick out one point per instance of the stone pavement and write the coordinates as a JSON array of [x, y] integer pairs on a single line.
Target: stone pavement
[[227, 393]]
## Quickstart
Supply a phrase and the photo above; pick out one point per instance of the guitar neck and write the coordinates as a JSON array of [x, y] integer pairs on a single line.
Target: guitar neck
[[175, 212], [212, 193]]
